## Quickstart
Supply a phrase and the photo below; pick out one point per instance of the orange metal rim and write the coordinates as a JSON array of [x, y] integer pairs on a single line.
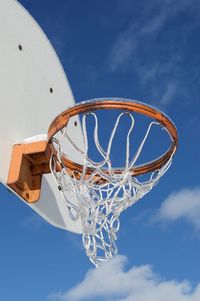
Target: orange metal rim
[[132, 106]]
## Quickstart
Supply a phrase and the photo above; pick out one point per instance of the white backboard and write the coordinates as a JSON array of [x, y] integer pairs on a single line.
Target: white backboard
[[33, 91]]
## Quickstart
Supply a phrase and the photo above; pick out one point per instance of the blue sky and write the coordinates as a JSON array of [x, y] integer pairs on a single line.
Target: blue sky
[[144, 50]]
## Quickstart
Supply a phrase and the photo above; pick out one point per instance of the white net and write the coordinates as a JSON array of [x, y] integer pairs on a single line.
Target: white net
[[104, 193]]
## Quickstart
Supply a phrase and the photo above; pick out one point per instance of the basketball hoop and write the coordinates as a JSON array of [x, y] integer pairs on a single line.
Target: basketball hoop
[[103, 191]]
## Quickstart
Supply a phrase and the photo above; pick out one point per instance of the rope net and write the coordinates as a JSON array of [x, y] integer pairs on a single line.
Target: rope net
[[104, 194]]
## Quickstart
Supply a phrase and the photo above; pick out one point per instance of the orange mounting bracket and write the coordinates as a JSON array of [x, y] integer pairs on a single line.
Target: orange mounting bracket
[[28, 163]]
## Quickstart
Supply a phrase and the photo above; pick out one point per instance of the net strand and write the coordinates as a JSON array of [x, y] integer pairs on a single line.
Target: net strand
[[101, 203]]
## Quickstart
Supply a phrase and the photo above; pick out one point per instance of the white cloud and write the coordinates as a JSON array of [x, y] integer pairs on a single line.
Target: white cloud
[[169, 93], [156, 23], [156, 14], [182, 204], [113, 282], [128, 41], [123, 48], [150, 53]]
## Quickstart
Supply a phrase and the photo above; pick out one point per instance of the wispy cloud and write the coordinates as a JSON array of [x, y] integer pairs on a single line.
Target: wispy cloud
[[139, 30], [160, 80], [114, 282], [123, 48], [169, 93], [140, 47], [184, 204]]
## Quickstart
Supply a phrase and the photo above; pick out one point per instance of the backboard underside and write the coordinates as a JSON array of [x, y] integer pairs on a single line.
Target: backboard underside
[[34, 90]]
